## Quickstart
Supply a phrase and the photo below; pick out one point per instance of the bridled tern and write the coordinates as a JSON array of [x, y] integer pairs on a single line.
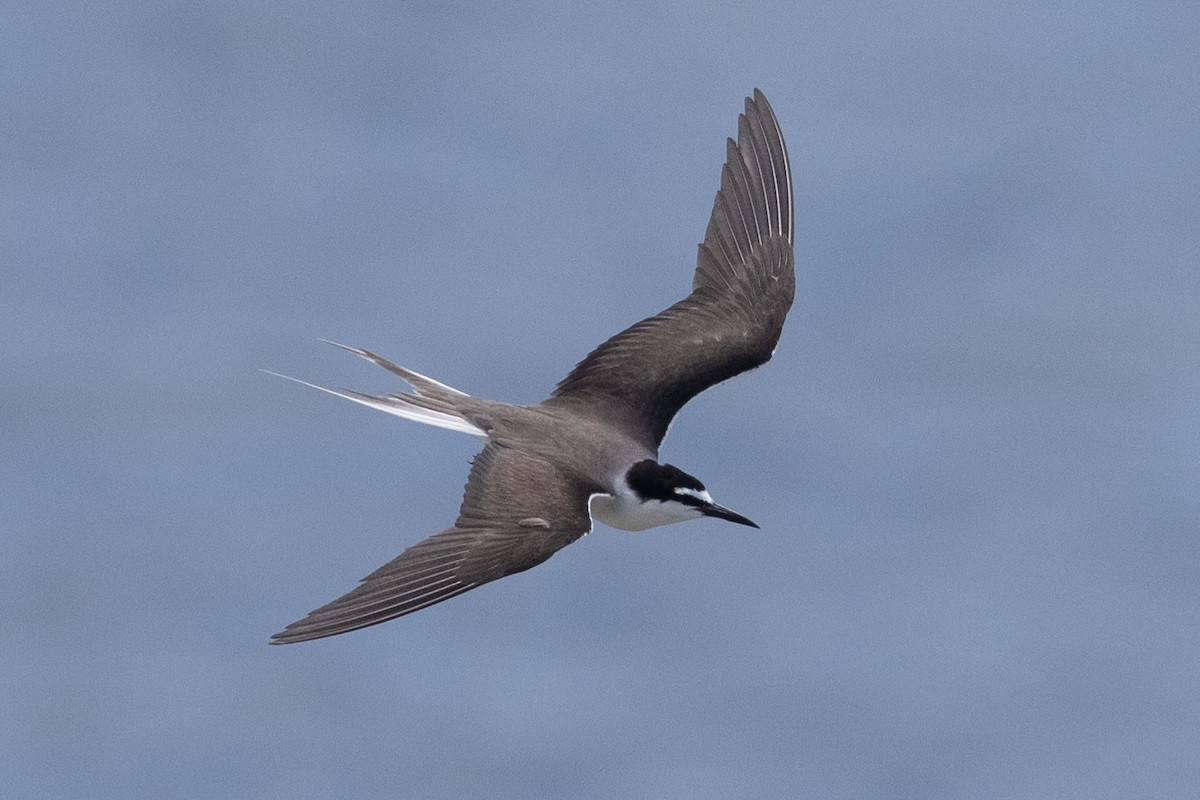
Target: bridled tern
[[590, 450]]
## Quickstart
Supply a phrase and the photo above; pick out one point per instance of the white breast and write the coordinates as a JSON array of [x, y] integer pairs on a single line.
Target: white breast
[[626, 512]]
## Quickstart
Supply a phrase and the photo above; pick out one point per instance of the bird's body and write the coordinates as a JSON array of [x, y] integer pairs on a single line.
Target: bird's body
[[590, 450]]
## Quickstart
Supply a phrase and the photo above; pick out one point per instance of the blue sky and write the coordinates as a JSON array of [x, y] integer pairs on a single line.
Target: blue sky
[[974, 457]]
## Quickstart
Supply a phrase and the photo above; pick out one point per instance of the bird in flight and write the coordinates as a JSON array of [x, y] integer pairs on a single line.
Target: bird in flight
[[590, 450]]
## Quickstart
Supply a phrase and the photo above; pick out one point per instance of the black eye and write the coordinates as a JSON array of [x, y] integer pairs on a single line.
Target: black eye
[[677, 478], [660, 481]]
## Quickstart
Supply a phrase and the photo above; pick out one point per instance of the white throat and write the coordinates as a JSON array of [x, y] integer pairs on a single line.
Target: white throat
[[628, 512]]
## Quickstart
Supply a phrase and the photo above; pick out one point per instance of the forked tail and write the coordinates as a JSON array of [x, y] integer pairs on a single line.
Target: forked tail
[[431, 402]]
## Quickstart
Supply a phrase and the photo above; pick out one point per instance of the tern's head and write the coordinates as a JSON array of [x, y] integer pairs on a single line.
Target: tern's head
[[668, 492]]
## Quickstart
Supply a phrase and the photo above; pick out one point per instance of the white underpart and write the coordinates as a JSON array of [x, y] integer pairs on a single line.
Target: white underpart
[[400, 409], [627, 512]]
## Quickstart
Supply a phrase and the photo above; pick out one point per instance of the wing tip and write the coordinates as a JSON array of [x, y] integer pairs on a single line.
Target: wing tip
[[758, 105]]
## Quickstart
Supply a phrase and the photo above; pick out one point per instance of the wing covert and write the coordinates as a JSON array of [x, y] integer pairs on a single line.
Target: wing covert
[[730, 322], [499, 531]]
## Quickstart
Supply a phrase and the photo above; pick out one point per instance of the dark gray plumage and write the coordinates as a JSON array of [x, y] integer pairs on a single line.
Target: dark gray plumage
[[744, 284], [548, 469]]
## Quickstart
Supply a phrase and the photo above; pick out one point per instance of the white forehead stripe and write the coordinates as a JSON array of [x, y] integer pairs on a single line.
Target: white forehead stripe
[[699, 494]]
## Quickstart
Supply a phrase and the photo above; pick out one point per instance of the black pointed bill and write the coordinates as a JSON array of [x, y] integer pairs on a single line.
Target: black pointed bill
[[721, 512]]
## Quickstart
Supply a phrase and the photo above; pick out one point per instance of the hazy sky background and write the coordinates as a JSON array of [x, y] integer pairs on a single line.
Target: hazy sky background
[[974, 457]]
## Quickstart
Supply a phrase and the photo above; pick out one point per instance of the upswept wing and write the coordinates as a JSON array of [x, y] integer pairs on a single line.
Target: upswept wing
[[743, 287], [498, 532]]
